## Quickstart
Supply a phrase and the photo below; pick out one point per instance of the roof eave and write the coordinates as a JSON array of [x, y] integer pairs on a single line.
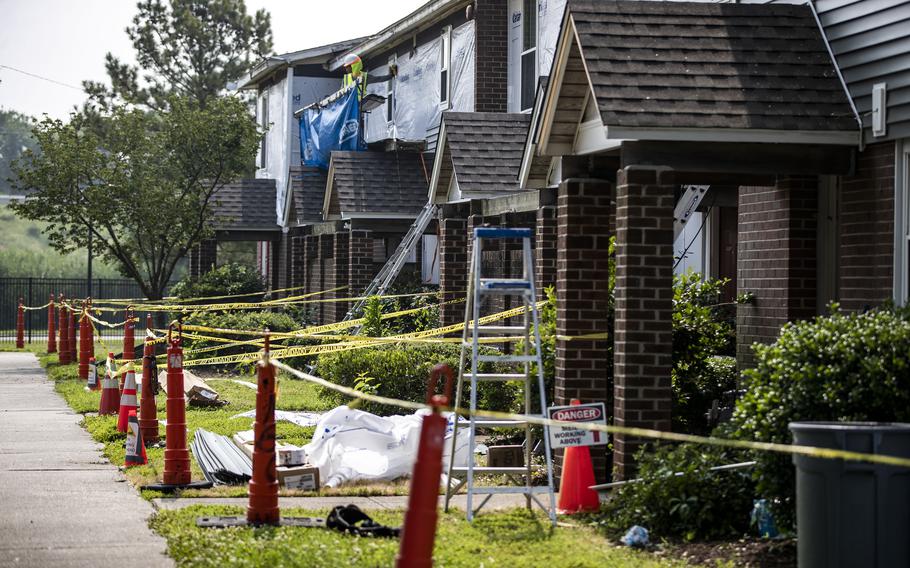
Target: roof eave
[[416, 21], [734, 135]]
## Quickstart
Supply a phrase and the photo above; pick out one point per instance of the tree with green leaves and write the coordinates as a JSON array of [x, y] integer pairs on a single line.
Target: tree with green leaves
[[190, 48], [142, 188], [15, 138]]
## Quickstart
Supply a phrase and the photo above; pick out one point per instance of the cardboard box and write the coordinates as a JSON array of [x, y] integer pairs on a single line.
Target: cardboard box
[[285, 454], [299, 477], [505, 456]]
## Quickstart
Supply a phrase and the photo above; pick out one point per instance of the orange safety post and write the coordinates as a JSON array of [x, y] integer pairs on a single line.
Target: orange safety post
[[177, 474], [419, 532], [20, 326], [110, 394], [148, 409], [51, 327], [129, 337], [72, 321], [85, 341], [263, 507], [64, 350]]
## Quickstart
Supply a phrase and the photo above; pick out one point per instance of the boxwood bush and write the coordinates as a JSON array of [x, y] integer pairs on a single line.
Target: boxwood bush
[[843, 367]]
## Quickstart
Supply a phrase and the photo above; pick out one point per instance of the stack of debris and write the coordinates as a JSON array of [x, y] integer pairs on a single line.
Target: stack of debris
[[221, 461]]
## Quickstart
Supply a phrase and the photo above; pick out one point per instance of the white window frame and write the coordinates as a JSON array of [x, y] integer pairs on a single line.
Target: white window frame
[[522, 52], [264, 124], [445, 66], [902, 222]]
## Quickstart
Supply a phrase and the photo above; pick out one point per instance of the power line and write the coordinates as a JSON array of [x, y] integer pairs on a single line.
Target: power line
[[62, 84]]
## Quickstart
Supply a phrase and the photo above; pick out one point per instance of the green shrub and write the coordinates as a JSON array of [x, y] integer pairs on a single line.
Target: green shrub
[[225, 280], [700, 333], [401, 371], [843, 367], [699, 504]]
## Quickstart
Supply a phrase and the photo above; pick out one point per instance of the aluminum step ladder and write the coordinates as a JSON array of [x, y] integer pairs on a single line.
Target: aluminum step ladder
[[396, 262], [459, 477]]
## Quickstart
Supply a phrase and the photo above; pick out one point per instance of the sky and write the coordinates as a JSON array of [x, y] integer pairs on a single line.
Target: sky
[[66, 41]]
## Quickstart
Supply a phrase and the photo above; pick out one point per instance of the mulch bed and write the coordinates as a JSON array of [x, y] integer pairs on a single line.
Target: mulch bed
[[744, 553]]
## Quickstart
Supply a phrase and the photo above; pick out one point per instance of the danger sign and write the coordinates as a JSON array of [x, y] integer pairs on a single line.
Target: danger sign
[[566, 436]]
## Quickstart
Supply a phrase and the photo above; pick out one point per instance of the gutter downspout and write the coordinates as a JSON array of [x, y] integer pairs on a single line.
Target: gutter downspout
[[840, 76]]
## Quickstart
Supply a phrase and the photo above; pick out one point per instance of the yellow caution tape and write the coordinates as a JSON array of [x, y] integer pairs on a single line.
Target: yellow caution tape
[[792, 449], [36, 307]]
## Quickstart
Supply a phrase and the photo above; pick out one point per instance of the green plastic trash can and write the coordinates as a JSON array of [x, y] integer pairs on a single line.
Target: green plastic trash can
[[852, 514]]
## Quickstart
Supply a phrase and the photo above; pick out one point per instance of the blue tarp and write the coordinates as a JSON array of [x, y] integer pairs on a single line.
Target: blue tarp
[[335, 126]]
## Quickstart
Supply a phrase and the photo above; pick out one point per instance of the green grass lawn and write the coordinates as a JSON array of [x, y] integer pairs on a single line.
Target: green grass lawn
[[509, 539]]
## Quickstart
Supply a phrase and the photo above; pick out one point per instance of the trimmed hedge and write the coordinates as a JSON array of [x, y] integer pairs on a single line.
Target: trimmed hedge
[[843, 367]]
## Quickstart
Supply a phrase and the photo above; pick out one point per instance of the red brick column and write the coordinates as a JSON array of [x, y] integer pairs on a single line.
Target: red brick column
[[327, 272], [776, 260], [453, 267], [203, 257], [298, 264], [643, 338], [545, 248], [583, 367], [341, 256], [360, 261]]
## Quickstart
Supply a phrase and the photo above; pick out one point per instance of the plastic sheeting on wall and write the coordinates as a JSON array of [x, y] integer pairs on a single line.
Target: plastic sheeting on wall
[[463, 68], [276, 163], [549, 20], [417, 91]]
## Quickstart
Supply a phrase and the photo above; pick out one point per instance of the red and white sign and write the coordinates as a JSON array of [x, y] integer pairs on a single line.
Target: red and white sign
[[567, 436]]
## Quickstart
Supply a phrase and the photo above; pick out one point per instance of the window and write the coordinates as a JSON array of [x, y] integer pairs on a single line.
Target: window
[[390, 93], [528, 54], [445, 56], [264, 124]]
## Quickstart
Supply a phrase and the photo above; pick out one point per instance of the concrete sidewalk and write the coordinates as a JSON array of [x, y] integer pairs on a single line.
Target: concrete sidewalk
[[60, 504]]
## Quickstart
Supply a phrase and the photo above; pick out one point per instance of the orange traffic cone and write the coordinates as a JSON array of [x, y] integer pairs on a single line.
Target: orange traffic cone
[[135, 449], [128, 400], [575, 493], [110, 391]]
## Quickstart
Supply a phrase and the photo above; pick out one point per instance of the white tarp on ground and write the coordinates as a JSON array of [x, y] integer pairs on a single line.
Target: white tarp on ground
[[303, 419], [353, 445]]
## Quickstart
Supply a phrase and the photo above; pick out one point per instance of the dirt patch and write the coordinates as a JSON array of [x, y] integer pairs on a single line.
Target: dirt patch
[[744, 553]]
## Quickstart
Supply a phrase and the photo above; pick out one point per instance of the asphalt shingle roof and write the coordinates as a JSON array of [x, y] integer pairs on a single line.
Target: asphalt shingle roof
[[308, 185], [486, 149], [709, 65], [247, 204], [377, 182]]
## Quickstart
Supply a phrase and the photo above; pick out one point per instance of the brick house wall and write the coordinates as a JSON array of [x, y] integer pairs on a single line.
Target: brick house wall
[[866, 244], [776, 259]]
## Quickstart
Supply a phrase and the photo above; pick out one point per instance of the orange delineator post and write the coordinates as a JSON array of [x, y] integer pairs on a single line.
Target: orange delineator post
[[419, 532], [64, 350], [85, 342], [20, 326], [51, 327], [73, 321], [129, 336], [148, 409], [110, 394], [176, 455], [263, 507]]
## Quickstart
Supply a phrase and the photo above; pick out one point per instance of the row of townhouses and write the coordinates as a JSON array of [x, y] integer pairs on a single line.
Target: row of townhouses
[[766, 143]]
